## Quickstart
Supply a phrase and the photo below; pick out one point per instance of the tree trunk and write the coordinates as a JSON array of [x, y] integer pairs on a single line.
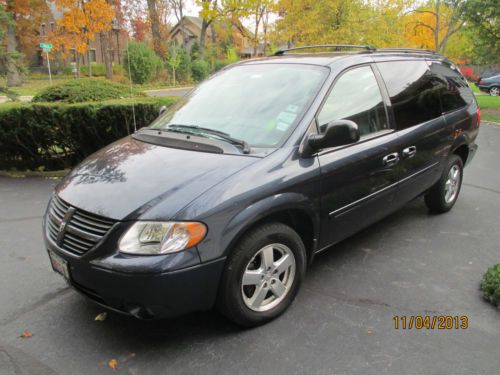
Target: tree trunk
[[436, 29], [12, 64], [203, 37], [77, 59], [255, 36], [212, 33], [154, 19], [108, 59], [265, 23], [183, 27]]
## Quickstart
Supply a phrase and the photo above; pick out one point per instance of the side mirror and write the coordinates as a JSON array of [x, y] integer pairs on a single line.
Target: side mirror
[[337, 133], [163, 109]]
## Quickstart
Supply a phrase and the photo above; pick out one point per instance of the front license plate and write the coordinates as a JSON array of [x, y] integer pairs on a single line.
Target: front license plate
[[59, 264]]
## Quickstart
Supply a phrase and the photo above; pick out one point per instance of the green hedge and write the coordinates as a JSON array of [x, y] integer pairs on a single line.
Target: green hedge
[[84, 90], [54, 136]]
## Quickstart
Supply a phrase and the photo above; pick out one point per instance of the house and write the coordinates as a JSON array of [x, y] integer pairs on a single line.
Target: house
[[240, 36], [117, 37]]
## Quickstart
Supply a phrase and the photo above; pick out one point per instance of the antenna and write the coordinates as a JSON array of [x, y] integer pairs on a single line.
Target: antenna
[[130, 79]]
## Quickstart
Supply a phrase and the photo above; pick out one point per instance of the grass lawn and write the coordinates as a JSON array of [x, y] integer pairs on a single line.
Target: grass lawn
[[490, 107]]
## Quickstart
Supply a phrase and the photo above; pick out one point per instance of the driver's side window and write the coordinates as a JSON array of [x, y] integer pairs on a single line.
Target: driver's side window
[[356, 97]]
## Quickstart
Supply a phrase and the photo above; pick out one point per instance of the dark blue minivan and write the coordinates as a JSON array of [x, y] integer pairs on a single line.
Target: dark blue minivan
[[225, 199]]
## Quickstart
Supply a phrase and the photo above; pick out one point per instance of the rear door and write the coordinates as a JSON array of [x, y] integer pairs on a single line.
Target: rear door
[[457, 99], [424, 135], [358, 181]]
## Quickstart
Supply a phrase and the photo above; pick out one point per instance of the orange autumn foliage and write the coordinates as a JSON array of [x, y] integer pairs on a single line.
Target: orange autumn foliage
[[28, 15], [80, 22]]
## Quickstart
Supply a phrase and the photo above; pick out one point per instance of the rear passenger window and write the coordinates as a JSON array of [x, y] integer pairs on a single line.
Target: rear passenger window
[[356, 97], [413, 90], [456, 92]]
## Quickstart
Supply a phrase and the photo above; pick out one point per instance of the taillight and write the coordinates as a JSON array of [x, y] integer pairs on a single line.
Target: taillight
[[478, 112], [481, 83]]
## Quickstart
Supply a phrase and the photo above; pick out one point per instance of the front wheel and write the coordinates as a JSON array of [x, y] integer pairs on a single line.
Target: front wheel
[[262, 275], [443, 195]]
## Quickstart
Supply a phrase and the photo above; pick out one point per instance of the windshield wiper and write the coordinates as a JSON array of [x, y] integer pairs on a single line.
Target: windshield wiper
[[199, 130]]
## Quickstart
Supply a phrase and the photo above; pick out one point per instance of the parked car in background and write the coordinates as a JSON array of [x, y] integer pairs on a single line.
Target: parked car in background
[[226, 198], [490, 85]]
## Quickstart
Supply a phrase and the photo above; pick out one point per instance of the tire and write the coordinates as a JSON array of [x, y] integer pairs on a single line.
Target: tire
[[240, 303], [494, 91], [439, 198]]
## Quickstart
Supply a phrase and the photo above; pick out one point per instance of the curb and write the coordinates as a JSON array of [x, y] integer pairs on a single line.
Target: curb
[[25, 174]]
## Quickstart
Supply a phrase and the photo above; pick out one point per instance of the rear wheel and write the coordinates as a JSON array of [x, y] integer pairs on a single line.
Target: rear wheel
[[495, 91], [443, 195], [263, 275]]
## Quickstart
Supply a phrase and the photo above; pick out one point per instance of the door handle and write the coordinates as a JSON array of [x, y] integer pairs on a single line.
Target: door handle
[[409, 152], [391, 159]]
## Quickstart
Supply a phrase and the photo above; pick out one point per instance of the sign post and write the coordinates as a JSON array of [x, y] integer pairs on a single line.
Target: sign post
[[46, 47]]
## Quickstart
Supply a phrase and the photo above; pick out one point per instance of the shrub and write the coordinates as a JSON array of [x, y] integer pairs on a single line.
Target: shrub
[[59, 135], [99, 70], [144, 63], [200, 70], [219, 64], [490, 285], [184, 69], [83, 90]]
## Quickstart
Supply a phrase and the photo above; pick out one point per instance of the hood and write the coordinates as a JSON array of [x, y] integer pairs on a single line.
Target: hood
[[128, 177]]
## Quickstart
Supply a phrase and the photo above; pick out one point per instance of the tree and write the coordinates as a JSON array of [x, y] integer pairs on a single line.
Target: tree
[[81, 21], [177, 7], [174, 60], [208, 14], [437, 22], [483, 23], [339, 22], [20, 20]]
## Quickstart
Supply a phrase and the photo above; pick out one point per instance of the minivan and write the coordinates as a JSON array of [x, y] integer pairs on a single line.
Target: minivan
[[227, 196]]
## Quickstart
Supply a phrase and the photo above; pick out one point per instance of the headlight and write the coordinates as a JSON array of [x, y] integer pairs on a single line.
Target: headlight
[[156, 237]]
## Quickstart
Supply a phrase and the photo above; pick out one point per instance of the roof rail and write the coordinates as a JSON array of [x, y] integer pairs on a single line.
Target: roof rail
[[406, 50], [336, 46]]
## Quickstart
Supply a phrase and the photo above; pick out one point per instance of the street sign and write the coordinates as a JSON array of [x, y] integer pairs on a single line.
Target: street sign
[[46, 47]]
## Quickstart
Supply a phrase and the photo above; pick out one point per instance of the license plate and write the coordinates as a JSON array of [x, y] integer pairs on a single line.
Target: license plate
[[59, 264]]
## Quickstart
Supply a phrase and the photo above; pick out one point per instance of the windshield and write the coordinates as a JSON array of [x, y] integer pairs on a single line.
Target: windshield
[[258, 104]]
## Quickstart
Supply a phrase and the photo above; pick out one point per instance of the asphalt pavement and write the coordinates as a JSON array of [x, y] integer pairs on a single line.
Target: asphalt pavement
[[412, 263]]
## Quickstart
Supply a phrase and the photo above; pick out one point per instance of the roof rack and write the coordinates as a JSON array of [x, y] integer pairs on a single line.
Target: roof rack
[[336, 46], [364, 48], [406, 50]]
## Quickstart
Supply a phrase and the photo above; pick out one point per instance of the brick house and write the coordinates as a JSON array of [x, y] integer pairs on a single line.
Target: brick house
[[118, 42]]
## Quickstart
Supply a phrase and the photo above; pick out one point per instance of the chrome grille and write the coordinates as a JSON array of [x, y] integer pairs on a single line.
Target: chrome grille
[[74, 230]]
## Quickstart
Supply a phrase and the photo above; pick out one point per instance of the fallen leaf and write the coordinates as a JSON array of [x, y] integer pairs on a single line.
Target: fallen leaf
[[101, 317], [369, 332], [112, 364], [26, 334]]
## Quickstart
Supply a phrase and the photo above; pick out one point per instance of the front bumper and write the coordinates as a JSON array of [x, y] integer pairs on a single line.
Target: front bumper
[[146, 295]]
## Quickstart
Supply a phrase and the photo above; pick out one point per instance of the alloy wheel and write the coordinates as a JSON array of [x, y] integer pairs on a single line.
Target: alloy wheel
[[452, 184], [268, 277]]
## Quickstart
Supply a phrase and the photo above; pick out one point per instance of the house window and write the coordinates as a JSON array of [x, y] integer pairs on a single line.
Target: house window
[[42, 30], [92, 55], [52, 27], [72, 55]]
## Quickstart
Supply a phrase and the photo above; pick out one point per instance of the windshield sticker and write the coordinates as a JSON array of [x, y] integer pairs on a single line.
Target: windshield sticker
[[286, 117], [282, 126], [292, 108]]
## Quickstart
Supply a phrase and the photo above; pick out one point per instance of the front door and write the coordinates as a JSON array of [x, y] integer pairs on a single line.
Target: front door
[[358, 181]]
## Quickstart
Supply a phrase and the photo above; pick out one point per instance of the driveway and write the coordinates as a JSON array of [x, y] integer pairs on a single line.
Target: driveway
[[411, 263]]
